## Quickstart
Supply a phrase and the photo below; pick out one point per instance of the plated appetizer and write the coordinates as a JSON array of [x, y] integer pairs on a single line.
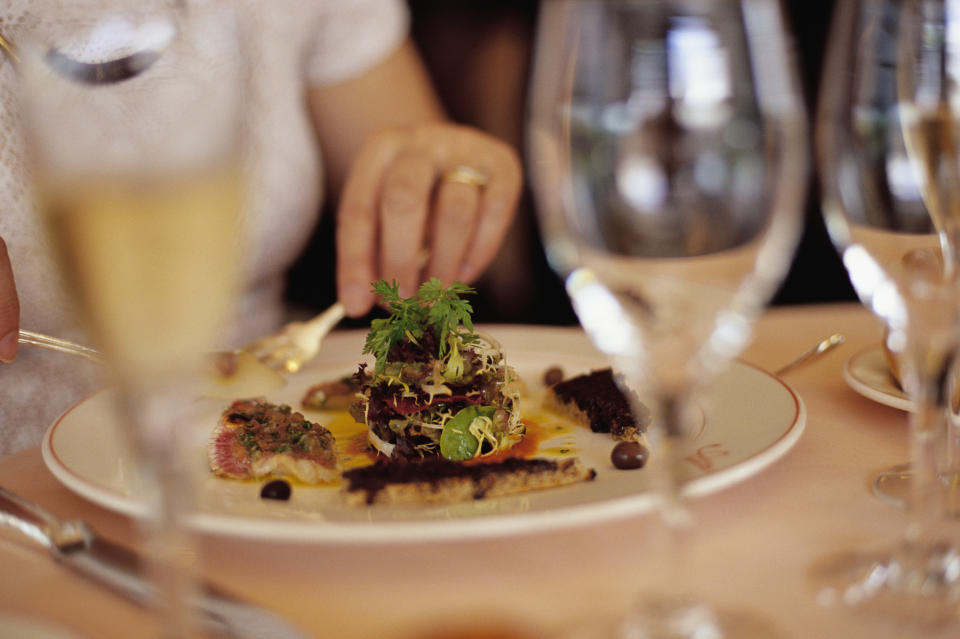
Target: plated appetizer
[[438, 389], [438, 399]]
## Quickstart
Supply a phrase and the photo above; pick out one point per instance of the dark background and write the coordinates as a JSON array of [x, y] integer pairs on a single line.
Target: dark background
[[478, 53]]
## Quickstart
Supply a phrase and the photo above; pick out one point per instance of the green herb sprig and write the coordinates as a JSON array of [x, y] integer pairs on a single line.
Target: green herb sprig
[[432, 308]]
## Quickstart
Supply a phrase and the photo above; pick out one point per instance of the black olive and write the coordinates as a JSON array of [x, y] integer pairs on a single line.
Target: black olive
[[276, 489], [553, 376], [629, 455]]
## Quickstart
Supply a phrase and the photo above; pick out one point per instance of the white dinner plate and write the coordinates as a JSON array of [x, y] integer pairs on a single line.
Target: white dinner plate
[[868, 373], [748, 420]]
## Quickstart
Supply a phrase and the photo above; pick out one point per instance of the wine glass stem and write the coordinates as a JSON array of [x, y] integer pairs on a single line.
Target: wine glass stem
[[672, 409], [950, 473], [928, 364], [926, 436], [152, 418]]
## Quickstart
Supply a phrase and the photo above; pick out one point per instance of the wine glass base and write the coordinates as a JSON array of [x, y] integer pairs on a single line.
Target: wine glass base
[[893, 486], [917, 583], [671, 619], [660, 618]]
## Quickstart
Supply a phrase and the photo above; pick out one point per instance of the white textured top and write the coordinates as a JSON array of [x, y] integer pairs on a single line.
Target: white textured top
[[298, 43]]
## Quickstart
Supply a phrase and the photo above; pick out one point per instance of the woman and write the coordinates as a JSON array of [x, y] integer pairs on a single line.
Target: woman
[[341, 104]]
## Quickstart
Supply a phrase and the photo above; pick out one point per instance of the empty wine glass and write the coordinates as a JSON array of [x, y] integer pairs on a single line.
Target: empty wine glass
[[668, 156], [134, 118], [924, 88], [888, 158]]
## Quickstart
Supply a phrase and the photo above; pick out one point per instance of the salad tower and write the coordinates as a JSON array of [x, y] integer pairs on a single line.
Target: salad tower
[[438, 388]]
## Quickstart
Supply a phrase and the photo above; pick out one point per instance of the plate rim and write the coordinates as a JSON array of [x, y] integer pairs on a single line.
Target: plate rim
[[416, 531], [870, 391]]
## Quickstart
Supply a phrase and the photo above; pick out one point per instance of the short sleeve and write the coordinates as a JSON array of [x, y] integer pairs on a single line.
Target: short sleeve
[[352, 36]]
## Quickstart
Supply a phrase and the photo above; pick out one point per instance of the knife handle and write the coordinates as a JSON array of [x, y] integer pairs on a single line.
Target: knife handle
[[40, 525], [220, 614]]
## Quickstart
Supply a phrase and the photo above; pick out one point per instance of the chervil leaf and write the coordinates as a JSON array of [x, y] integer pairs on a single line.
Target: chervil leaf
[[447, 310], [432, 308]]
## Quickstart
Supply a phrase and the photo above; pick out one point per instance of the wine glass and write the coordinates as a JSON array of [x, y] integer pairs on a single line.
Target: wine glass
[[133, 118], [923, 94], [888, 158], [668, 157]]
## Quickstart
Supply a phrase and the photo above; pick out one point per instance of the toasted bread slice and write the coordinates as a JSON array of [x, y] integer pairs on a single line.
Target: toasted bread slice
[[595, 401]]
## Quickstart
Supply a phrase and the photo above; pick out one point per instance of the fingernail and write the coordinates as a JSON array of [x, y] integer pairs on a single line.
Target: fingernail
[[8, 347], [355, 299]]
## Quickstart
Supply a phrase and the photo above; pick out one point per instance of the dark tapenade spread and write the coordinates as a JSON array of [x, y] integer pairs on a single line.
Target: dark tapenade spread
[[433, 480]]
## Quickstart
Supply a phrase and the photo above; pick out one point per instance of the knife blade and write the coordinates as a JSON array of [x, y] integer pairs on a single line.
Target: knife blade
[[77, 547]]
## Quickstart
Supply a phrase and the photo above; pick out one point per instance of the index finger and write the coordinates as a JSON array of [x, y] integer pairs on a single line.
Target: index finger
[[357, 232], [9, 308]]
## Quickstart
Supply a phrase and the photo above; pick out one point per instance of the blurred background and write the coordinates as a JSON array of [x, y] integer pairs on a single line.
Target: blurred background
[[478, 53]]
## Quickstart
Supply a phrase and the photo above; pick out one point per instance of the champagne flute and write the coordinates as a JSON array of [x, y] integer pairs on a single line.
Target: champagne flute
[[923, 84], [669, 160], [887, 153], [133, 120]]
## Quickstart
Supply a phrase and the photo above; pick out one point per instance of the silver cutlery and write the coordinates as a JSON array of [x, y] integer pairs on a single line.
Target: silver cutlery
[[817, 350], [32, 338], [75, 546], [285, 351], [298, 342]]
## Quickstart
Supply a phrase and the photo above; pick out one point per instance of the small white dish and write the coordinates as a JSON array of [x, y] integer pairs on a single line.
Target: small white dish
[[867, 373]]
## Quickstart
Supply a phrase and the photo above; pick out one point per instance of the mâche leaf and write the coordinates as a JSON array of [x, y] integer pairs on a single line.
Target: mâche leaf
[[457, 443]]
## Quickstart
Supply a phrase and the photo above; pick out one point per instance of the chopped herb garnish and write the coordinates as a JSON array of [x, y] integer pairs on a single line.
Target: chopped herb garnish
[[249, 440]]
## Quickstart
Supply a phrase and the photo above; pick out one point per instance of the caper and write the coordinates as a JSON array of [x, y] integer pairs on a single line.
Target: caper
[[629, 455]]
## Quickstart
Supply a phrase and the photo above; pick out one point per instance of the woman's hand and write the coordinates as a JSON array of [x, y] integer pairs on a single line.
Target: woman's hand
[[9, 308], [432, 200], [387, 147]]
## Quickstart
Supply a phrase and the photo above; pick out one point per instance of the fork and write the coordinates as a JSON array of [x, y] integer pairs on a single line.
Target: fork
[[297, 343], [285, 351], [56, 344]]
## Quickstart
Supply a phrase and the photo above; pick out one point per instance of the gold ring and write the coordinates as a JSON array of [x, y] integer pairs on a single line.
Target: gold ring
[[465, 175]]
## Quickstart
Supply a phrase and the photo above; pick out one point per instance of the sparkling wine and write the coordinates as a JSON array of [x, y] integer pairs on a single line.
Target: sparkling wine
[[152, 262], [932, 142]]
